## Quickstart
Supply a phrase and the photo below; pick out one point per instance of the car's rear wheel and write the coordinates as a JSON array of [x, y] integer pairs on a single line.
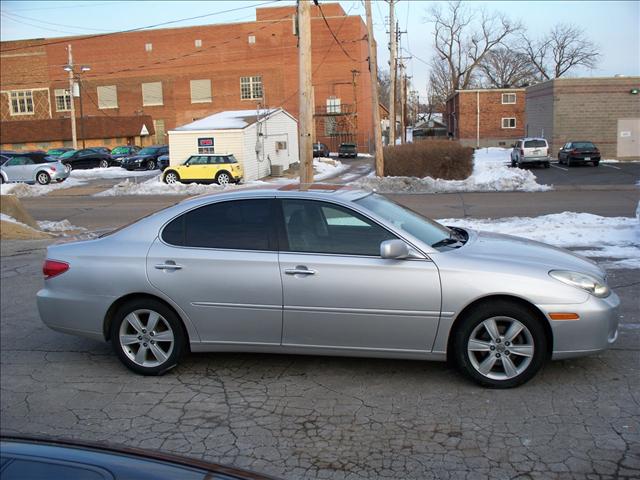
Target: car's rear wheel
[[104, 163], [151, 165], [147, 336], [500, 345], [223, 178], [171, 177], [547, 165], [596, 163], [43, 178], [568, 162]]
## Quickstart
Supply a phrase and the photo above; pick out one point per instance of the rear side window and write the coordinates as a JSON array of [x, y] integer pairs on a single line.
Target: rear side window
[[237, 225], [535, 144]]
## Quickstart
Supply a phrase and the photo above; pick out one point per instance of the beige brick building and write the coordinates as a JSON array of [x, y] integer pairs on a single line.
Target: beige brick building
[[601, 110]]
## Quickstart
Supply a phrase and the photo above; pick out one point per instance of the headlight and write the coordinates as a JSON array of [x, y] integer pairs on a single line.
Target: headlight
[[593, 285]]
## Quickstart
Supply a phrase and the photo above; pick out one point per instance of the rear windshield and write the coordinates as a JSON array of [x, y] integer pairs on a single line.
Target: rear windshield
[[67, 154], [535, 143], [583, 145]]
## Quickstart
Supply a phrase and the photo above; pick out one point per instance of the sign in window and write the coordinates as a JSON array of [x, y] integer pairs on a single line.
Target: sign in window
[[206, 145]]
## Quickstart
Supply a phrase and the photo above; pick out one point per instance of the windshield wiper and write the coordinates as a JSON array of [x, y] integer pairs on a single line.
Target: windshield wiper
[[446, 241]]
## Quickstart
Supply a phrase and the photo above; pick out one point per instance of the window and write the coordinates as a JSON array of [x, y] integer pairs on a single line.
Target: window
[[281, 146], [17, 161], [333, 105], [508, 98], [21, 468], [250, 88], [158, 126], [206, 145], [21, 102], [508, 123], [108, 97], [148, 47], [198, 43], [152, 94], [319, 227], [201, 91], [238, 225], [535, 143], [252, 39], [63, 100]]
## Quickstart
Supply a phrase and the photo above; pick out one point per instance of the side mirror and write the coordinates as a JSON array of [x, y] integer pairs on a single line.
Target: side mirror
[[394, 249]]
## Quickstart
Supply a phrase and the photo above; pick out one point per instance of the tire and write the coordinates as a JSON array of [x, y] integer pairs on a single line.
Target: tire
[[151, 165], [223, 178], [547, 165], [568, 162], [43, 178], [475, 348], [1, 179], [171, 177], [104, 163], [596, 163], [137, 346], [69, 167]]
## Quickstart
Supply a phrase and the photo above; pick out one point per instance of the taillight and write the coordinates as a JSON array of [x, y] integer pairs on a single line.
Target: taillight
[[53, 169], [53, 268]]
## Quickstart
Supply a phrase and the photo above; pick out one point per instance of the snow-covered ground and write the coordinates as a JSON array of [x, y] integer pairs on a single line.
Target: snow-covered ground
[[491, 173], [111, 172], [323, 167], [614, 240], [25, 190]]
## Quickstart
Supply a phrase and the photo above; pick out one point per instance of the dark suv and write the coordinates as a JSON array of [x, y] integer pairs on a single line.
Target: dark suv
[[348, 150], [145, 159], [320, 150]]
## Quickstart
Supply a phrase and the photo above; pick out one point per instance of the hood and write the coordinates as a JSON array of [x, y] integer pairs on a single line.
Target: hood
[[133, 158], [508, 248]]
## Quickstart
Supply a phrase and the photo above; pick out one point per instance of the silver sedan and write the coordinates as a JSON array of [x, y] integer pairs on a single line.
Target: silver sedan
[[326, 272], [28, 169]]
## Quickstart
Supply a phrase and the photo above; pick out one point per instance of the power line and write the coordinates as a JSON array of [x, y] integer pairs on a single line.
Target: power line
[[334, 35], [67, 6], [139, 28], [11, 14]]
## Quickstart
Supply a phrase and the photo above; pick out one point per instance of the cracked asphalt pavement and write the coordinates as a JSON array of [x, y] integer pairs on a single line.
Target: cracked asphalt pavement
[[317, 417]]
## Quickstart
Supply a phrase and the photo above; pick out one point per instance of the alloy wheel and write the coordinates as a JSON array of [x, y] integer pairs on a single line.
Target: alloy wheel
[[43, 178], [146, 338], [500, 348], [104, 164], [223, 179], [170, 177]]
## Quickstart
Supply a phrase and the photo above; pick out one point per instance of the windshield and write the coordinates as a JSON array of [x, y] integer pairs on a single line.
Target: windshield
[[119, 150], [148, 151], [424, 229], [67, 154]]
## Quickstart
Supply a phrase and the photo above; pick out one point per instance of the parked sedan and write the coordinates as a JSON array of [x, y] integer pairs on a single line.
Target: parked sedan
[[573, 153], [348, 150], [86, 158], [219, 168], [31, 169], [101, 150], [145, 159], [320, 150], [326, 272], [124, 151]]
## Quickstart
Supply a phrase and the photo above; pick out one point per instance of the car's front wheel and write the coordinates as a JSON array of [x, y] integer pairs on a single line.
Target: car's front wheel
[[596, 163], [147, 336], [151, 165], [171, 177], [500, 345], [104, 163], [43, 178]]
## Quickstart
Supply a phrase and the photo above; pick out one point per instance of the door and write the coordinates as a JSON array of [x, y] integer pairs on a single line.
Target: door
[[339, 293], [19, 169], [220, 265], [197, 169], [628, 137]]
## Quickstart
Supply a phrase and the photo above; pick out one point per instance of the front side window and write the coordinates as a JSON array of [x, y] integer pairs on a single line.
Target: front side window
[[21, 102], [235, 225], [250, 88], [320, 227], [63, 100]]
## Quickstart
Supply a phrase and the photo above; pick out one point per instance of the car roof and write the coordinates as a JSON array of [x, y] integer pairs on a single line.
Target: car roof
[[533, 138]]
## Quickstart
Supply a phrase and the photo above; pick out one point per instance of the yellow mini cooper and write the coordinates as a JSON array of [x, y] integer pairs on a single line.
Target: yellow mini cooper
[[219, 168]]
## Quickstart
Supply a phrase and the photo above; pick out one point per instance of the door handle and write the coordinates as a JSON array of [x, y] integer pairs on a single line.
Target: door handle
[[299, 271], [168, 266]]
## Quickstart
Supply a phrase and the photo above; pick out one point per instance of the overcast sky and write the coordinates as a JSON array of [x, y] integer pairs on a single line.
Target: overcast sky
[[613, 25]]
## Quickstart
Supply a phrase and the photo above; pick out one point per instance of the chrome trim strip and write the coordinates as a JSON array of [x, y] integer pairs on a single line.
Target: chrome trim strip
[[237, 305], [364, 349], [363, 311]]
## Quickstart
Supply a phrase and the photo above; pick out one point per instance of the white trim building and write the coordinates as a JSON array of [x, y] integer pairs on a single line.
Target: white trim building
[[259, 139]]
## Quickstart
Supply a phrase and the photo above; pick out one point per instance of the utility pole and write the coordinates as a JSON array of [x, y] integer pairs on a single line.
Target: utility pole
[[74, 136], [403, 103], [393, 65], [305, 94], [373, 71]]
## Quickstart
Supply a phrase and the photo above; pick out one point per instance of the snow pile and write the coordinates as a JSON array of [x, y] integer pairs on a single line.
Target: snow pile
[[36, 190], [58, 227], [616, 238], [327, 167], [6, 218], [491, 173], [110, 172]]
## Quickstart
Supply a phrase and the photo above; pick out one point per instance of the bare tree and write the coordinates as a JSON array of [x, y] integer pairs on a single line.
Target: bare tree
[[563, 49], [384, 85], [440, 86], [463, 38], [505, 68]]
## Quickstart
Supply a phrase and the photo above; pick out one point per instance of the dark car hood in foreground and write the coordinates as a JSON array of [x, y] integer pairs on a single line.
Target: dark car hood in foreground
[[508, 248]]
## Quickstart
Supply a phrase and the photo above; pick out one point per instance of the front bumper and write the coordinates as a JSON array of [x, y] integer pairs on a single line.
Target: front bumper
[[595, 330]]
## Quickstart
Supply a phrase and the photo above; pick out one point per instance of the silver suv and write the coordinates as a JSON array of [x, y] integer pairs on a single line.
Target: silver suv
[[530, 151]]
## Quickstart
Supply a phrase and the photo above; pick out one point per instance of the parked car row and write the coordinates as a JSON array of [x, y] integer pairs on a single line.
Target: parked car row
[[536, 151]]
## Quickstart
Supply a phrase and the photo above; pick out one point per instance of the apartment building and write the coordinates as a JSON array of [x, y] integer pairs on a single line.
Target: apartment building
[[179, 75], [486, 117]]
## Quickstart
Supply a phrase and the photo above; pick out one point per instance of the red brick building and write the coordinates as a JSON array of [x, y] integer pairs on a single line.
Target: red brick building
[[486, 117], [178, 75]]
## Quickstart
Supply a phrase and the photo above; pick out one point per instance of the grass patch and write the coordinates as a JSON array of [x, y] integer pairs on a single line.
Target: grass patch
[[443, 159]]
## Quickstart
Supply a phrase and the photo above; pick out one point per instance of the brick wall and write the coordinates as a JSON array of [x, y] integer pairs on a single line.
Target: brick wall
[[226, 55], [582, 109]]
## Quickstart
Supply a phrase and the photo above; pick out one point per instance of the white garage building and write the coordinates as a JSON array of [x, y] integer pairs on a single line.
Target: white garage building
[[261, 140]]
